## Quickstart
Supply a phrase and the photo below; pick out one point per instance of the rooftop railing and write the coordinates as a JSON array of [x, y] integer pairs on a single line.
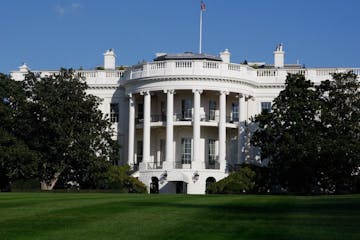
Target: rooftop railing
[[226, 70]]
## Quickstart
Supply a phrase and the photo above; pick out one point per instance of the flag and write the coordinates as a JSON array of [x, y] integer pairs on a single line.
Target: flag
[[202, 6]]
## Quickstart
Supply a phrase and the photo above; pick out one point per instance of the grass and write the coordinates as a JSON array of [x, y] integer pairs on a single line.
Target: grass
[[121, 216]]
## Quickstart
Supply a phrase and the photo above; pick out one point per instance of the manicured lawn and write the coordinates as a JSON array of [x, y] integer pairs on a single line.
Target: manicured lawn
[[118, 216]]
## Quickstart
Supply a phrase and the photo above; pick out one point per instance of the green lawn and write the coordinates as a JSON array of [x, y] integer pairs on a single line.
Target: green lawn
[[119, 216]]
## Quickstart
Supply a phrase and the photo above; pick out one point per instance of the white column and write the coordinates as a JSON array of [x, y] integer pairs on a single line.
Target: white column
[[222, 129], [169, 155], [131, 130], [146, 129], [241, 129], [196, 130]]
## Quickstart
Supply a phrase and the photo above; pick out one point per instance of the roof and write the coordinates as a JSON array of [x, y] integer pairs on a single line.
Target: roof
[[187, 56]]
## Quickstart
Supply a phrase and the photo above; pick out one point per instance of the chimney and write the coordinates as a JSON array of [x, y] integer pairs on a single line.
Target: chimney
[[279, 56], [109, 59], [225, 56]]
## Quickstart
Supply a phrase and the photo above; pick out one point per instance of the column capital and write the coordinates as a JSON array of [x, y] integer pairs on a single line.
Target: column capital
[[241, 95], [249, 97], [143, 93], [225, 92], [197, 90], [171, 91]]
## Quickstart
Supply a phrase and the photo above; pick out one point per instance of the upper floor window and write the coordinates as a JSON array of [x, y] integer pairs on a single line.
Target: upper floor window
[[186, 109], [140, 112], [235, 112], [266, 106], [114, 112], [212, 109]]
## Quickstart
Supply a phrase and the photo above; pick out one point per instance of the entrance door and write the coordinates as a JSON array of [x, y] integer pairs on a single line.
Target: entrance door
[[181, 187], [154, 185]]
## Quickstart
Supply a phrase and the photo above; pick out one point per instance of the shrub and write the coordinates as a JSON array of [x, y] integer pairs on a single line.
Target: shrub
[[237, 182], [119, 179]]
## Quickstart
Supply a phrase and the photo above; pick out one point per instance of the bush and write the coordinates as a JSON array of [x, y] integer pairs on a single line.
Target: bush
[[237, 182], [119, 179], [25, 185]]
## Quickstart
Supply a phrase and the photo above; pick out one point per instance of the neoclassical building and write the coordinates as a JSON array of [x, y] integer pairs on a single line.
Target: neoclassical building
[[183, 119]]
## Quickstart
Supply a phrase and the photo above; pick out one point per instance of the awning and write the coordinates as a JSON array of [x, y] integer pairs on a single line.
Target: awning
[[177, 177]]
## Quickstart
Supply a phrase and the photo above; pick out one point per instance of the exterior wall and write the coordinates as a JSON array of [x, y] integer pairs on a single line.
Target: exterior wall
[[241, 84]]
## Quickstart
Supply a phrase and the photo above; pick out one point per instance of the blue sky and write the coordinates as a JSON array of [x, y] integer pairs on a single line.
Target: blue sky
[[49, 34]]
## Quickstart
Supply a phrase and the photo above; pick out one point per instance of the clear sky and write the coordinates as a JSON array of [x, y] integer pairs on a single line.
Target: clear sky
[[49, 34]]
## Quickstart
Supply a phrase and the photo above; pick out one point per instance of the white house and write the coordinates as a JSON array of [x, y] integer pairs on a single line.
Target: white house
[[182, 119]]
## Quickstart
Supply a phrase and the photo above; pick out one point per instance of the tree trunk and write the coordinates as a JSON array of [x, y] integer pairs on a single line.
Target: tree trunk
[[48, 186]]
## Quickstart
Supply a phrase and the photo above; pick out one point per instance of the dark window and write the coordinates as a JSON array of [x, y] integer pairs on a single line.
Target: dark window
[[186, 109], [212, 109], [266, 106], [114, 112], [235, 112], [139, 152], [140, 114]]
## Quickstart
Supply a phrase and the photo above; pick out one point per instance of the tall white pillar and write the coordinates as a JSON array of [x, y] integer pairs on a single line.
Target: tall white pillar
[[131, 130], [241, 129], [169, 155], [222, 129], [146, 129], [196, 164]]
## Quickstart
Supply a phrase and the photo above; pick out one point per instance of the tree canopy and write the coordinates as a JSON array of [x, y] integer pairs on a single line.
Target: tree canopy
[[311, 135]]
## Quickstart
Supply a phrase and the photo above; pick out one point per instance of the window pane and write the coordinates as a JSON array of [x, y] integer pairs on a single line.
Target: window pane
[[186, 150], [114, 112], [266, 106]]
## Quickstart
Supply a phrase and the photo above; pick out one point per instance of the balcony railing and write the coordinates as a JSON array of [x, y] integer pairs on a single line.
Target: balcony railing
[[158, 118], [154, 165], [212, 164], [180, 165]]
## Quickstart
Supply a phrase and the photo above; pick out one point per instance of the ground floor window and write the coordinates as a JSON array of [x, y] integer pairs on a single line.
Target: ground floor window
[[186, 150], [211, 151]]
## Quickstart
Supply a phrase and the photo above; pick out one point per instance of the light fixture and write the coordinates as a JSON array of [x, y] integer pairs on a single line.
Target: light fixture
[[196, 176], [164, 175]]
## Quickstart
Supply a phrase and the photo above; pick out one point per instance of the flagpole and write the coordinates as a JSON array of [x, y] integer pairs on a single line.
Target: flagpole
[[200, 39]]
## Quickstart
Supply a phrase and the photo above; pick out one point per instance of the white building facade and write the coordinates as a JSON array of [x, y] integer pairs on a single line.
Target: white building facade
[[182, 119]]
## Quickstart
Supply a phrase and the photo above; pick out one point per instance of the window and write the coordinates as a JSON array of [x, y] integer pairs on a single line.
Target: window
[[186, 108], [139, 152], [186, 150], [140, 114], [162, 150], [114, 112], [266, 106], [212, 109], [235, 112], [211, 151]]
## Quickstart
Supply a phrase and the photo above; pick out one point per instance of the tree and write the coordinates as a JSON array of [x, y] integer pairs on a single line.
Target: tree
[[287, 136], [16, 159], [340, 133], [64, 125]]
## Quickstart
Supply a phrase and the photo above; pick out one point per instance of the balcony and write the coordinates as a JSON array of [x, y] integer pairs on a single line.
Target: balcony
[[154, 165], [181, 165]]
